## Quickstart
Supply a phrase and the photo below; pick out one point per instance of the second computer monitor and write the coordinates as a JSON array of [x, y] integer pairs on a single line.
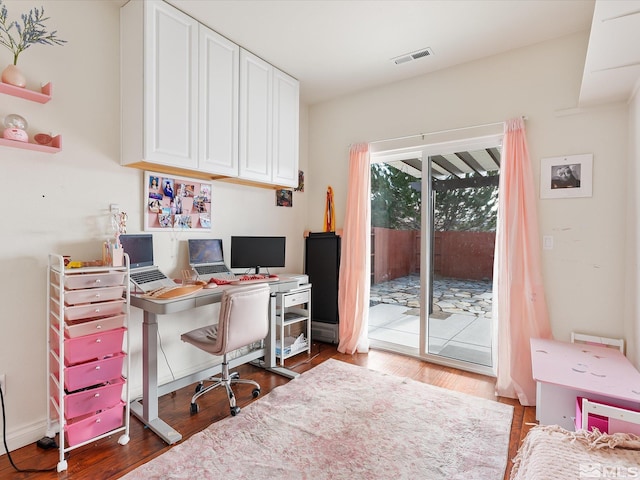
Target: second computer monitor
[[257, 252]]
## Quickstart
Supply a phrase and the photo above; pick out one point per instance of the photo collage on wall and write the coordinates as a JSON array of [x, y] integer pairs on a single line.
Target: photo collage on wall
[[176, 203]]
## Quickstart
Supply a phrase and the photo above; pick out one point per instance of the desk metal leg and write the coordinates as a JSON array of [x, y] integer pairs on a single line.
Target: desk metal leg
[[147, 412]]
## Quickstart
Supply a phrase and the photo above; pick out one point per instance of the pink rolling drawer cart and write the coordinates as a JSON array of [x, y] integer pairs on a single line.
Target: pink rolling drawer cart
[[88, 367]]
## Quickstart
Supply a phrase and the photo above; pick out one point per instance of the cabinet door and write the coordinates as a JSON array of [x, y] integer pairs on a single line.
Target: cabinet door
[[219, 69], [286, 105], [171, 86], [255, 118]]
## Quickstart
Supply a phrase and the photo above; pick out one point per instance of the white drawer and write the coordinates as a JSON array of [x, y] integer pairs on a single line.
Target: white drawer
[[93, 310], [295, 298], [90, 295], [90, 280], [78, 328]]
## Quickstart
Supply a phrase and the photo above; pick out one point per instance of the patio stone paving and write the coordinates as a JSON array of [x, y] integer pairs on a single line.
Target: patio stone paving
[[459, 327]]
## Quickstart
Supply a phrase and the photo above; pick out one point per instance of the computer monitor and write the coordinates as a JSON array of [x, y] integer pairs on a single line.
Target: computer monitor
[[257, 252]]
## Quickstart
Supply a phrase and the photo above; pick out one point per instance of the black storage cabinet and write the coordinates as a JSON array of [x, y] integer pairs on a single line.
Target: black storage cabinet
[[322, 265]]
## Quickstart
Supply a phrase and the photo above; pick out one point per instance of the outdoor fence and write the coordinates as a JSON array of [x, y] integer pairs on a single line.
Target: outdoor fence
[[464, 255]]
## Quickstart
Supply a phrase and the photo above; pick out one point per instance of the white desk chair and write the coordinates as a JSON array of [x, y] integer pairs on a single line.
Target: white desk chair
[[243, 320], [602, 341]]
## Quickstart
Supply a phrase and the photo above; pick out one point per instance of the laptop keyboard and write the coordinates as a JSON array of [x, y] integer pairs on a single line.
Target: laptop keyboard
[[209, 269], [146, 277]]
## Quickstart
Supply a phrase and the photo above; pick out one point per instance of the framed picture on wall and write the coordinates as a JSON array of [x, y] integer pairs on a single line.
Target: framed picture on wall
[[176, 203], [566, 177]]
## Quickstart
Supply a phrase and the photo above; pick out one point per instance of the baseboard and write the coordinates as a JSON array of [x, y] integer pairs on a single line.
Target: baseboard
[[26, 435]]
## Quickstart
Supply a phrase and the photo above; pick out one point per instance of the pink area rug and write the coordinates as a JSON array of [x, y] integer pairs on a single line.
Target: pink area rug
[[340, 421]]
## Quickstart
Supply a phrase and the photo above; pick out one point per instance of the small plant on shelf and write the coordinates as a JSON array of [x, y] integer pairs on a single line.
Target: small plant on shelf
[[32, 31]]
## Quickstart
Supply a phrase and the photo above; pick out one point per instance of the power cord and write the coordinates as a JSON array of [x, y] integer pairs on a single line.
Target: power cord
[[4, 438]]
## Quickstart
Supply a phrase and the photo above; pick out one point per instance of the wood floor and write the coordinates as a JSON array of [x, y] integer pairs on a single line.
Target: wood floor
[[106, 459]]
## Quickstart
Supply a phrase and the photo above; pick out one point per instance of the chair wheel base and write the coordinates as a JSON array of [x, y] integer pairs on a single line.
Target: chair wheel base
[[194, 408], [256, 392], [235, 411]]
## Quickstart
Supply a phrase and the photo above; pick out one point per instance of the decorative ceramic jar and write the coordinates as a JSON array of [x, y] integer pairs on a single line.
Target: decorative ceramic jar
[[13, 76]]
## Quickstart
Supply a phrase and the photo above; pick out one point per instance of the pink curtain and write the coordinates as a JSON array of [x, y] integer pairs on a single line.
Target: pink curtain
[[355, 271], [521, 304]]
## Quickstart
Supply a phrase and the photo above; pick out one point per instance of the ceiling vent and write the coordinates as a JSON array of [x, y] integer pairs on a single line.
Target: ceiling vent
[[425, 52]]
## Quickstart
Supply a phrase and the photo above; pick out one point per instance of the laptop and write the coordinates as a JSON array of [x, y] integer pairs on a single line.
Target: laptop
[[142, 272], [207, 259]]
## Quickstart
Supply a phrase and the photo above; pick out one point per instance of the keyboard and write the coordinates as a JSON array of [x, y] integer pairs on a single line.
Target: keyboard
[[146, 277], [209, 269], [165, 293], [244, 279], [247, 279]]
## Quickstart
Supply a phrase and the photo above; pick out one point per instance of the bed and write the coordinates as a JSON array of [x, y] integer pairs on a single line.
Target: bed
[[549, 452]]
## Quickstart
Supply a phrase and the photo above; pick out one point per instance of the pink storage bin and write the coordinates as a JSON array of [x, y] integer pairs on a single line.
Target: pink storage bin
[[92, 295], [93, 347], [90, 400], [93, 310], [83, 428], [78, 328], [605, 424], [595, 421], [90, 373]]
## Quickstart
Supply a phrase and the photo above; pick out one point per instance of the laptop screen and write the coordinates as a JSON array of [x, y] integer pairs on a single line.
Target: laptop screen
[[139, 247], [205, 251]]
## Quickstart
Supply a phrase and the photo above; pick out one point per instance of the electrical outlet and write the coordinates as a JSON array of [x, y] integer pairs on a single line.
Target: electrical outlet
[[3, 383], [114, 208]]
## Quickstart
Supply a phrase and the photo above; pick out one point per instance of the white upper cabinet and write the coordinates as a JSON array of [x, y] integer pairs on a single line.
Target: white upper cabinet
[[219, 69], [159, 85], [195, 102], [256, 97], [269, 125], [286, 129]]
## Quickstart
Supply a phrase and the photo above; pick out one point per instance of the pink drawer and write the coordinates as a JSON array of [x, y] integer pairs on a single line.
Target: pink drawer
[[93, 399], [92, 295], [90, 426], [93, 347], [90, 373], [78, 328], [90, 400], [90, 280], [94, 310]]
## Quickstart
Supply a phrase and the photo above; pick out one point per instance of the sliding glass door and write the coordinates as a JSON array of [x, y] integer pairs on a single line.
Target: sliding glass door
[[433, 237]]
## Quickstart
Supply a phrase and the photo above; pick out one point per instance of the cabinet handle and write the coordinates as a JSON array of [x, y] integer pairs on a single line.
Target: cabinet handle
[[97, 310], [98, 327], [97, 367], [98, 420], [96, 395], [98, 340]]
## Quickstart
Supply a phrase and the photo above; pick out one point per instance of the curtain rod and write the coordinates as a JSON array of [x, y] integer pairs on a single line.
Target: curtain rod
[[439, 132]]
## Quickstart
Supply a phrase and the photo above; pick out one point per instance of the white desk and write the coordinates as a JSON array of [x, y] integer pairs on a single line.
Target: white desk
[[564, 371], [146, 409]]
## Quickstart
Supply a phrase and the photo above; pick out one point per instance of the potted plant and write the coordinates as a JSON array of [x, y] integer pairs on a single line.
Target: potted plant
[[32, 31]]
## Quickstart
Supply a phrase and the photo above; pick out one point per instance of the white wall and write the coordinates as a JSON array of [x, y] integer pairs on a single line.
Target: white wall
[[59, 203], [584, 274]]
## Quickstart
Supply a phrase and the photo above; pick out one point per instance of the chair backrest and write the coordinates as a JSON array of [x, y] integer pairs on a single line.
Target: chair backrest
[[244, 316], [594, 340]]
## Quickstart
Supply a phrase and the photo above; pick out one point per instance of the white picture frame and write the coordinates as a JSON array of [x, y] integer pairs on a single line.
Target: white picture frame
[[176, 203], [566, 177]]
